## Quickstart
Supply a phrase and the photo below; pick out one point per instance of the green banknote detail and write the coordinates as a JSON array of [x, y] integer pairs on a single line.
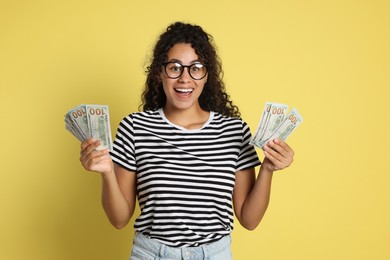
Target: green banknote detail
[[99, 125], [275, 123]]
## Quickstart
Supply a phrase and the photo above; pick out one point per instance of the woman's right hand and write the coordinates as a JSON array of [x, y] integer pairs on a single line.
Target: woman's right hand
[[94, 160]]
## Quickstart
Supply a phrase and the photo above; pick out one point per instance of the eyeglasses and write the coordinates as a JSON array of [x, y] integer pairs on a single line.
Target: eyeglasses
[[174, 70]]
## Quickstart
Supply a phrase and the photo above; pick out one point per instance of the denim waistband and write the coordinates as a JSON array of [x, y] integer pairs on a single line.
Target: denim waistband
[[199, 252]]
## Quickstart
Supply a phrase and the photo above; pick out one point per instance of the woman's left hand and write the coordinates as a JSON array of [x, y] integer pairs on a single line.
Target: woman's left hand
[[278, 155]]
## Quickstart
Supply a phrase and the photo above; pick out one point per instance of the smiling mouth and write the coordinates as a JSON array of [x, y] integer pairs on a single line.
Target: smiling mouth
[[184, 91]]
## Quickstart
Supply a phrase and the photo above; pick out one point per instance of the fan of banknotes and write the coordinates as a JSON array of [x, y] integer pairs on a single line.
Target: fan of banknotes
[[86, 121], [275, 123]]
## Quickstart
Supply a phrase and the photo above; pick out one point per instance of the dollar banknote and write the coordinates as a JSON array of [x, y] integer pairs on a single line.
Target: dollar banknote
[[273, 115], [86, 121], [274, 123], [99, 124], [78, 121]]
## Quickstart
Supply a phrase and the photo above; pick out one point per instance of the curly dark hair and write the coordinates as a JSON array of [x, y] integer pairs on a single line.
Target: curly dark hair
[[213, 96]]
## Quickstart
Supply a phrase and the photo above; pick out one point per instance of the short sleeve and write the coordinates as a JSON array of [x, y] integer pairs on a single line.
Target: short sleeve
[[123, 152], [247, 157]]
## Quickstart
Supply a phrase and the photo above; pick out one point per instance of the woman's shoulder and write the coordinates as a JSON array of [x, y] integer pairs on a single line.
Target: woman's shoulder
[[151, 116], [228, 120], [143, 114], [223, 118]]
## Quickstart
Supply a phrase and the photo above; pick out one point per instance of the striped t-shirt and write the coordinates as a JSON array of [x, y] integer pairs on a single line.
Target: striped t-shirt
[[185, 178]]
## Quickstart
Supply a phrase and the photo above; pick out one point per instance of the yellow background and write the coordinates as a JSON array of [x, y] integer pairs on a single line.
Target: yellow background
[[328, 58]]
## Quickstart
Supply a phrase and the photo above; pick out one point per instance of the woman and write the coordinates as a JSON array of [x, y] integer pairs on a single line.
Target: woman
[[186, 157]]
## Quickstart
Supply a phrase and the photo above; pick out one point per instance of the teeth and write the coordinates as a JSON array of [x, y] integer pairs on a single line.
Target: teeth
[[184, 90]]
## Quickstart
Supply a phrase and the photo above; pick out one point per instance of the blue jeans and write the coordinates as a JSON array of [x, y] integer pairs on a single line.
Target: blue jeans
[[149, 249]]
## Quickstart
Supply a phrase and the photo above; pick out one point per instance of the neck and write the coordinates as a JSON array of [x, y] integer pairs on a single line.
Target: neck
[[187, 118]]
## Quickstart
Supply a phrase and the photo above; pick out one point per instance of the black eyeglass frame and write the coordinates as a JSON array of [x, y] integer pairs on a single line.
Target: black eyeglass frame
[[184, 66]]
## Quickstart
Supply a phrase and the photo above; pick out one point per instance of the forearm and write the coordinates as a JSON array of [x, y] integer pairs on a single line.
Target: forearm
[[257, 200], [114, 203]]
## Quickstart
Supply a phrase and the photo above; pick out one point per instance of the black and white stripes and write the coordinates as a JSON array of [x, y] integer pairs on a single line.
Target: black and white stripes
[[185, 178]]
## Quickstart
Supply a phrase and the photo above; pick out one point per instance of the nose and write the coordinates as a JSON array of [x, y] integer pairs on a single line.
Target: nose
[[185, 76]]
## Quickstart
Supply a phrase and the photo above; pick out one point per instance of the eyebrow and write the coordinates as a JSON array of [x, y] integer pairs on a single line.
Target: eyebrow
[[179, 61]]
